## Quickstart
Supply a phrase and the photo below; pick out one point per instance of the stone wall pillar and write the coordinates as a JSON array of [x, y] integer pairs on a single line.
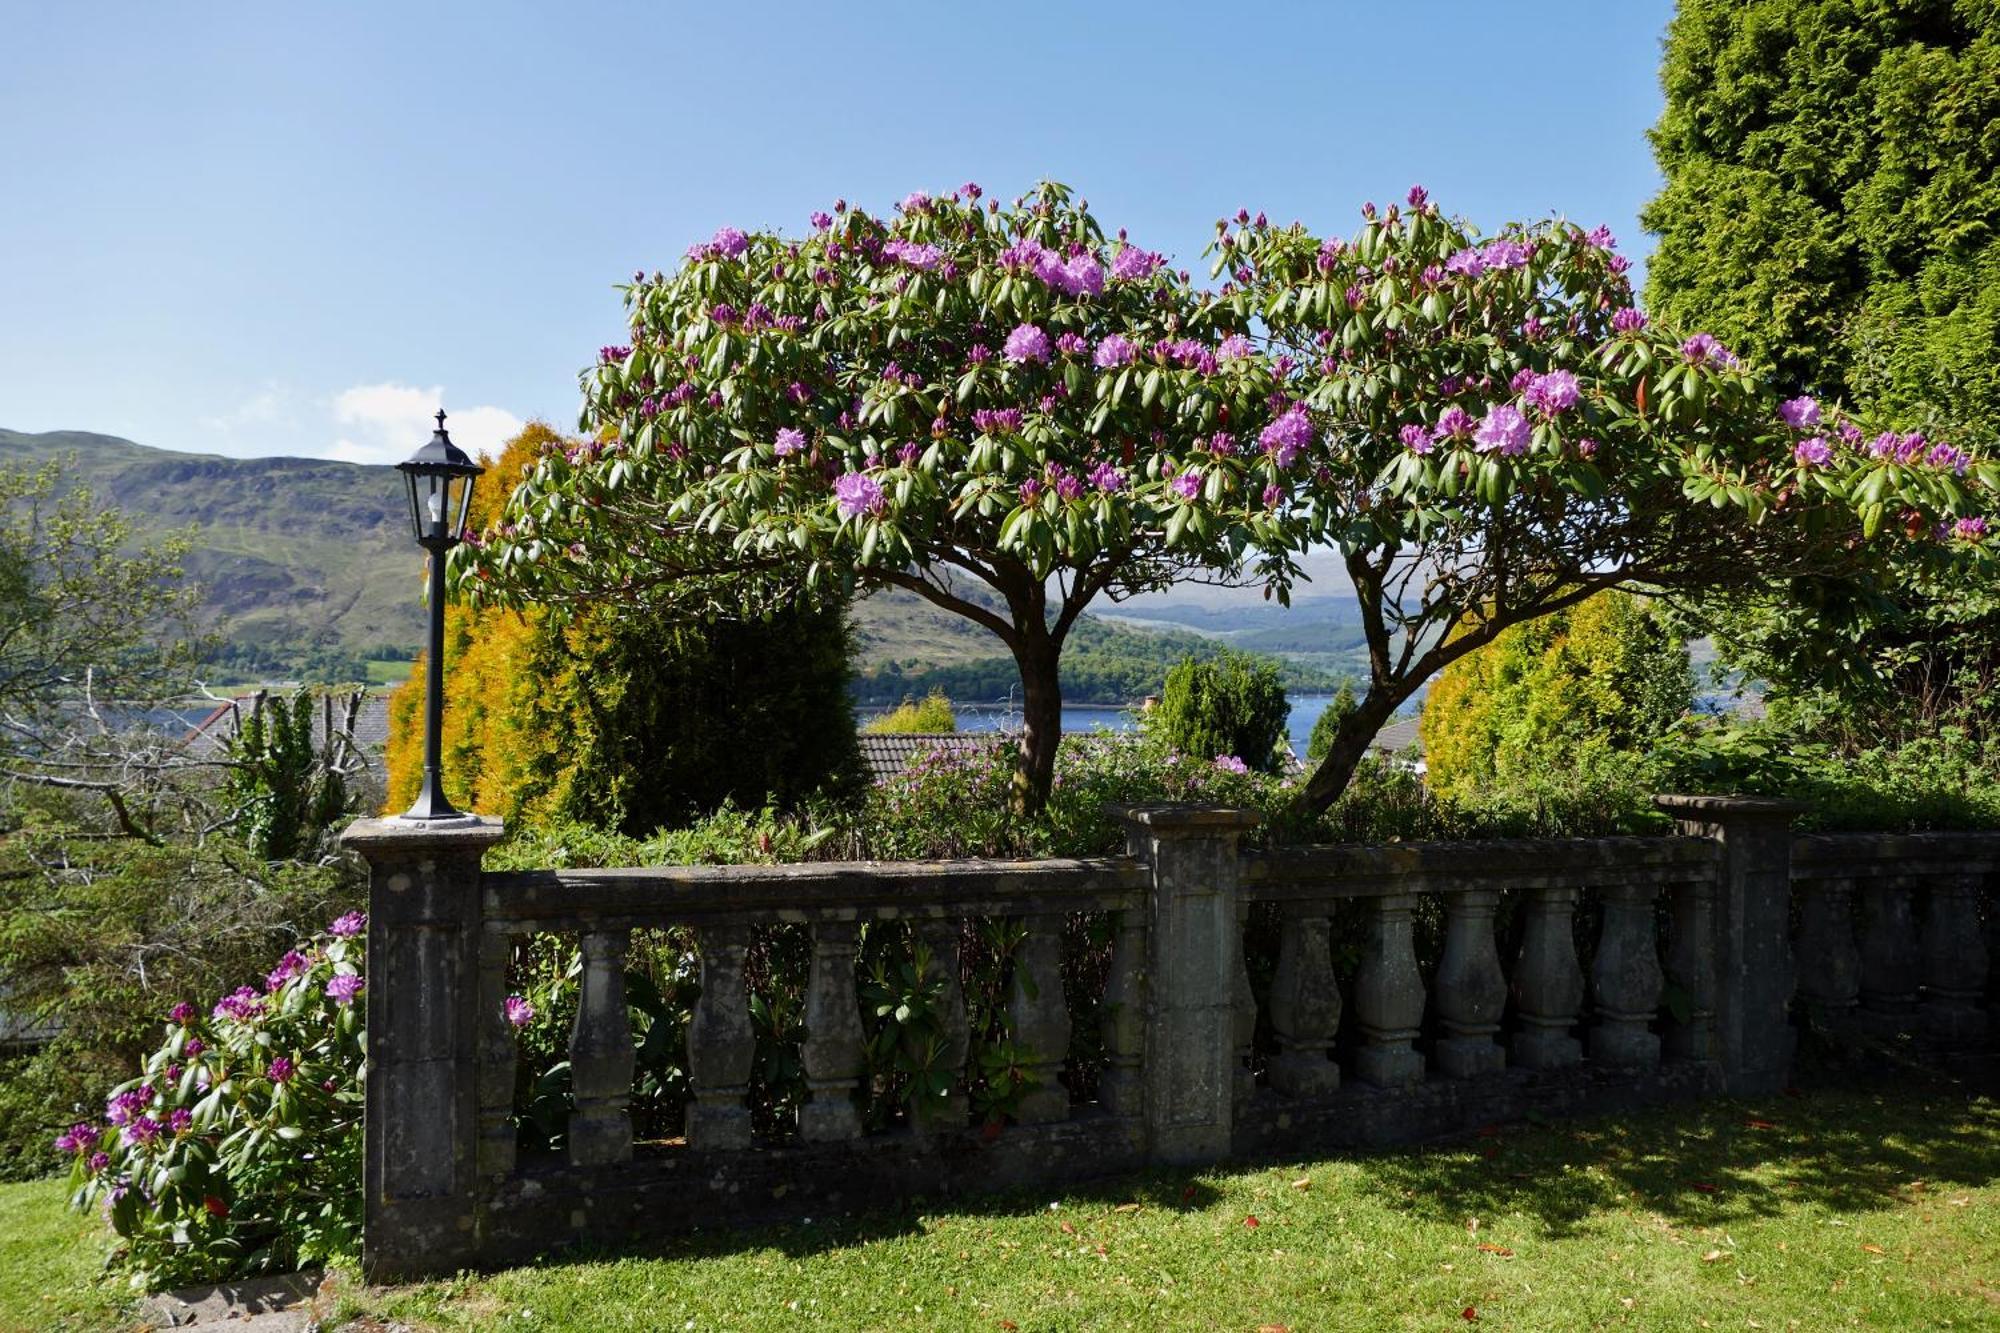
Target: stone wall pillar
[[421, 1131], [1751, 934], [1194, 951]]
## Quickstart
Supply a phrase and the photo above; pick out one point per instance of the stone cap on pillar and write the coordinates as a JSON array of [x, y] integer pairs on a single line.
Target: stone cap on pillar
[[470, 834], [1166, 819], [1713, 809]]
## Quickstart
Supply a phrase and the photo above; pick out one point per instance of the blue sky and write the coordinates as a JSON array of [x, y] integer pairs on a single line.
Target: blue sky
[[290, 229]]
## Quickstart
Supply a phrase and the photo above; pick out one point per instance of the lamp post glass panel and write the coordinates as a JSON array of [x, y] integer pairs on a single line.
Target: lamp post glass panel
[[440, 477]]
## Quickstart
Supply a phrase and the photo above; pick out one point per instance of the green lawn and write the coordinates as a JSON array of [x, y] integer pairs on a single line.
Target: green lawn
[[1831, 1210], [50, 1263]]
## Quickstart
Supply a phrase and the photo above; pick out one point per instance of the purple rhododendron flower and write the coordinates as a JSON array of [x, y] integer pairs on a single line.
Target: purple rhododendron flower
[[99, 1160], [996, 420], [1287, 437], [1114, 350], [1503, 254], [729, 241], [1188, 484], [1602, 238], [1234, 348], [789, 442], [1106, 478], [1703, 348], [281, 1069], [856, 494], [1503, 429], [1454, 423], [916, 201], [1628, 319], [1586, 448], [181, 1120], [194, 1047], [1027, 343], [1272, 494], [121, 1109], [1417, 439], [1554, 392], [1467, 262], [1229, 763], [1814, 452], [1083, 275], [1522, 379], [1417, 195], [917, 256], [1970, 529], [1222, 444], [1069, 487], [79, 1137], [1800, 413], [143, 1130], [908, 454], [344, 987], [348, 926], [519, 1012], [821, 220], [288, 967], [1031, 490], [242, 1005], [1949, 458], [182, 1013], [1132, 263]]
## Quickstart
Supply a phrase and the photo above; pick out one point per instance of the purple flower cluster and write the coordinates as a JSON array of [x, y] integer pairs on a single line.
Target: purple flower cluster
[[1970, 529], [1800, 413], [1499, 255], [1188, 484], [142, 1130], [1552, 393], [519, 1012], [729, 242], [788, 442], [1504, 430], [1601, 237], [1031, 490], [126, 1106], [1106, 478], [281, 1069], [997, 420], [288, 967], [612, 355], [343, 987], [242, 1005], [1229, 763], [1813, 452], [925, 257], [1628, 319], [1026, 344], [1131, 263], [1079, 275], [1704, 349], [1416, 439], [1454, 423], [81, 1137], [348, 926], [856, 494], [1189, 352], [1114, 350], [1287, 437], [182, 1013], [1235, 347]]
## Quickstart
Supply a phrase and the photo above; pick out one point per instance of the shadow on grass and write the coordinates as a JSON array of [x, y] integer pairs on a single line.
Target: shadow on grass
[[1699, 1164], [1707, 1163]]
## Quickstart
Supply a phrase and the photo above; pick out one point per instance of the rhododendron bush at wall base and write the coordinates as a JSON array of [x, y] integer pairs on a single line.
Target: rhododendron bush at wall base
[[238, 1148], [1486, 427]]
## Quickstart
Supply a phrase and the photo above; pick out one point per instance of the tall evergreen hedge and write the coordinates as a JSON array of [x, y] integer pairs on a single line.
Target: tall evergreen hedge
[[625, 718]]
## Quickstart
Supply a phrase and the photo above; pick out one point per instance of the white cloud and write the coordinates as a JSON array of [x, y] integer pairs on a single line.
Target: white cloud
[[270, 407], [385, 423]]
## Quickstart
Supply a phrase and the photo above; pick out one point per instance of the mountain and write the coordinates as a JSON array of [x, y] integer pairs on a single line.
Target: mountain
[[293, 553], [308, 570]]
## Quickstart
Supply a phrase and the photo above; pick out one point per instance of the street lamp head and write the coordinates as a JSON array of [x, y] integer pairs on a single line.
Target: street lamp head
[[440, 477]]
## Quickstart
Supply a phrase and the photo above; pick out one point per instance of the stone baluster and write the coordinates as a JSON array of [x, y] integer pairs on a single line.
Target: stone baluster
[[835, 1051], [601, 1055], [946, 1111], [1625, 978], [1121, 1086], [1243, 1008], [1691, 968], [720, 1044], [1955, 962], [1471, 988], [1040, 1016], [1305, 1004], [1829, 959], [1890, 958], [1548, 982], [495, 1056], [1389, 995]]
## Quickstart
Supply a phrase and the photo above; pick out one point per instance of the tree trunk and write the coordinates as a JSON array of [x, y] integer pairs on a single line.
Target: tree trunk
[[1350, 747], [1041, 724]]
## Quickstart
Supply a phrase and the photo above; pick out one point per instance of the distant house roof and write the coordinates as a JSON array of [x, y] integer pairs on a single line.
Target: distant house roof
[[1398, 736], [888, 754]]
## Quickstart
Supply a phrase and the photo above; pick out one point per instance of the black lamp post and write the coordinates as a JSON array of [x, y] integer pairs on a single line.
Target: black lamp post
[[440, 477]]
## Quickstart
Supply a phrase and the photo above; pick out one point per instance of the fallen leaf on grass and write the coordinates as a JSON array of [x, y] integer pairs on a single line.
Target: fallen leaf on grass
[[1874, 1249], [1702, 1187], [1711, 1256], [1627, 1302], [1068, 1228], [1252, 1222], [1468, 1314], [1126, 1208], [1755, 1123], [1009, 1325], [1273, 1328], [1302, 1183], [1489, 1247]]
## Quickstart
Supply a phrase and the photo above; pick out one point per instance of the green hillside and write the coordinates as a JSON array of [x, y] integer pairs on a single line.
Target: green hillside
[[309, 571]]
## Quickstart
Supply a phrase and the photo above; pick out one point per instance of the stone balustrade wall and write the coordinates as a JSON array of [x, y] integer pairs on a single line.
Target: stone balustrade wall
[[1559, 976]]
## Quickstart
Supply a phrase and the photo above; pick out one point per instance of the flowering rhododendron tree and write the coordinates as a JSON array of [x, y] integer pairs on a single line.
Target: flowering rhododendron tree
[[996, 408], [238, 1147], [1490, 430]]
